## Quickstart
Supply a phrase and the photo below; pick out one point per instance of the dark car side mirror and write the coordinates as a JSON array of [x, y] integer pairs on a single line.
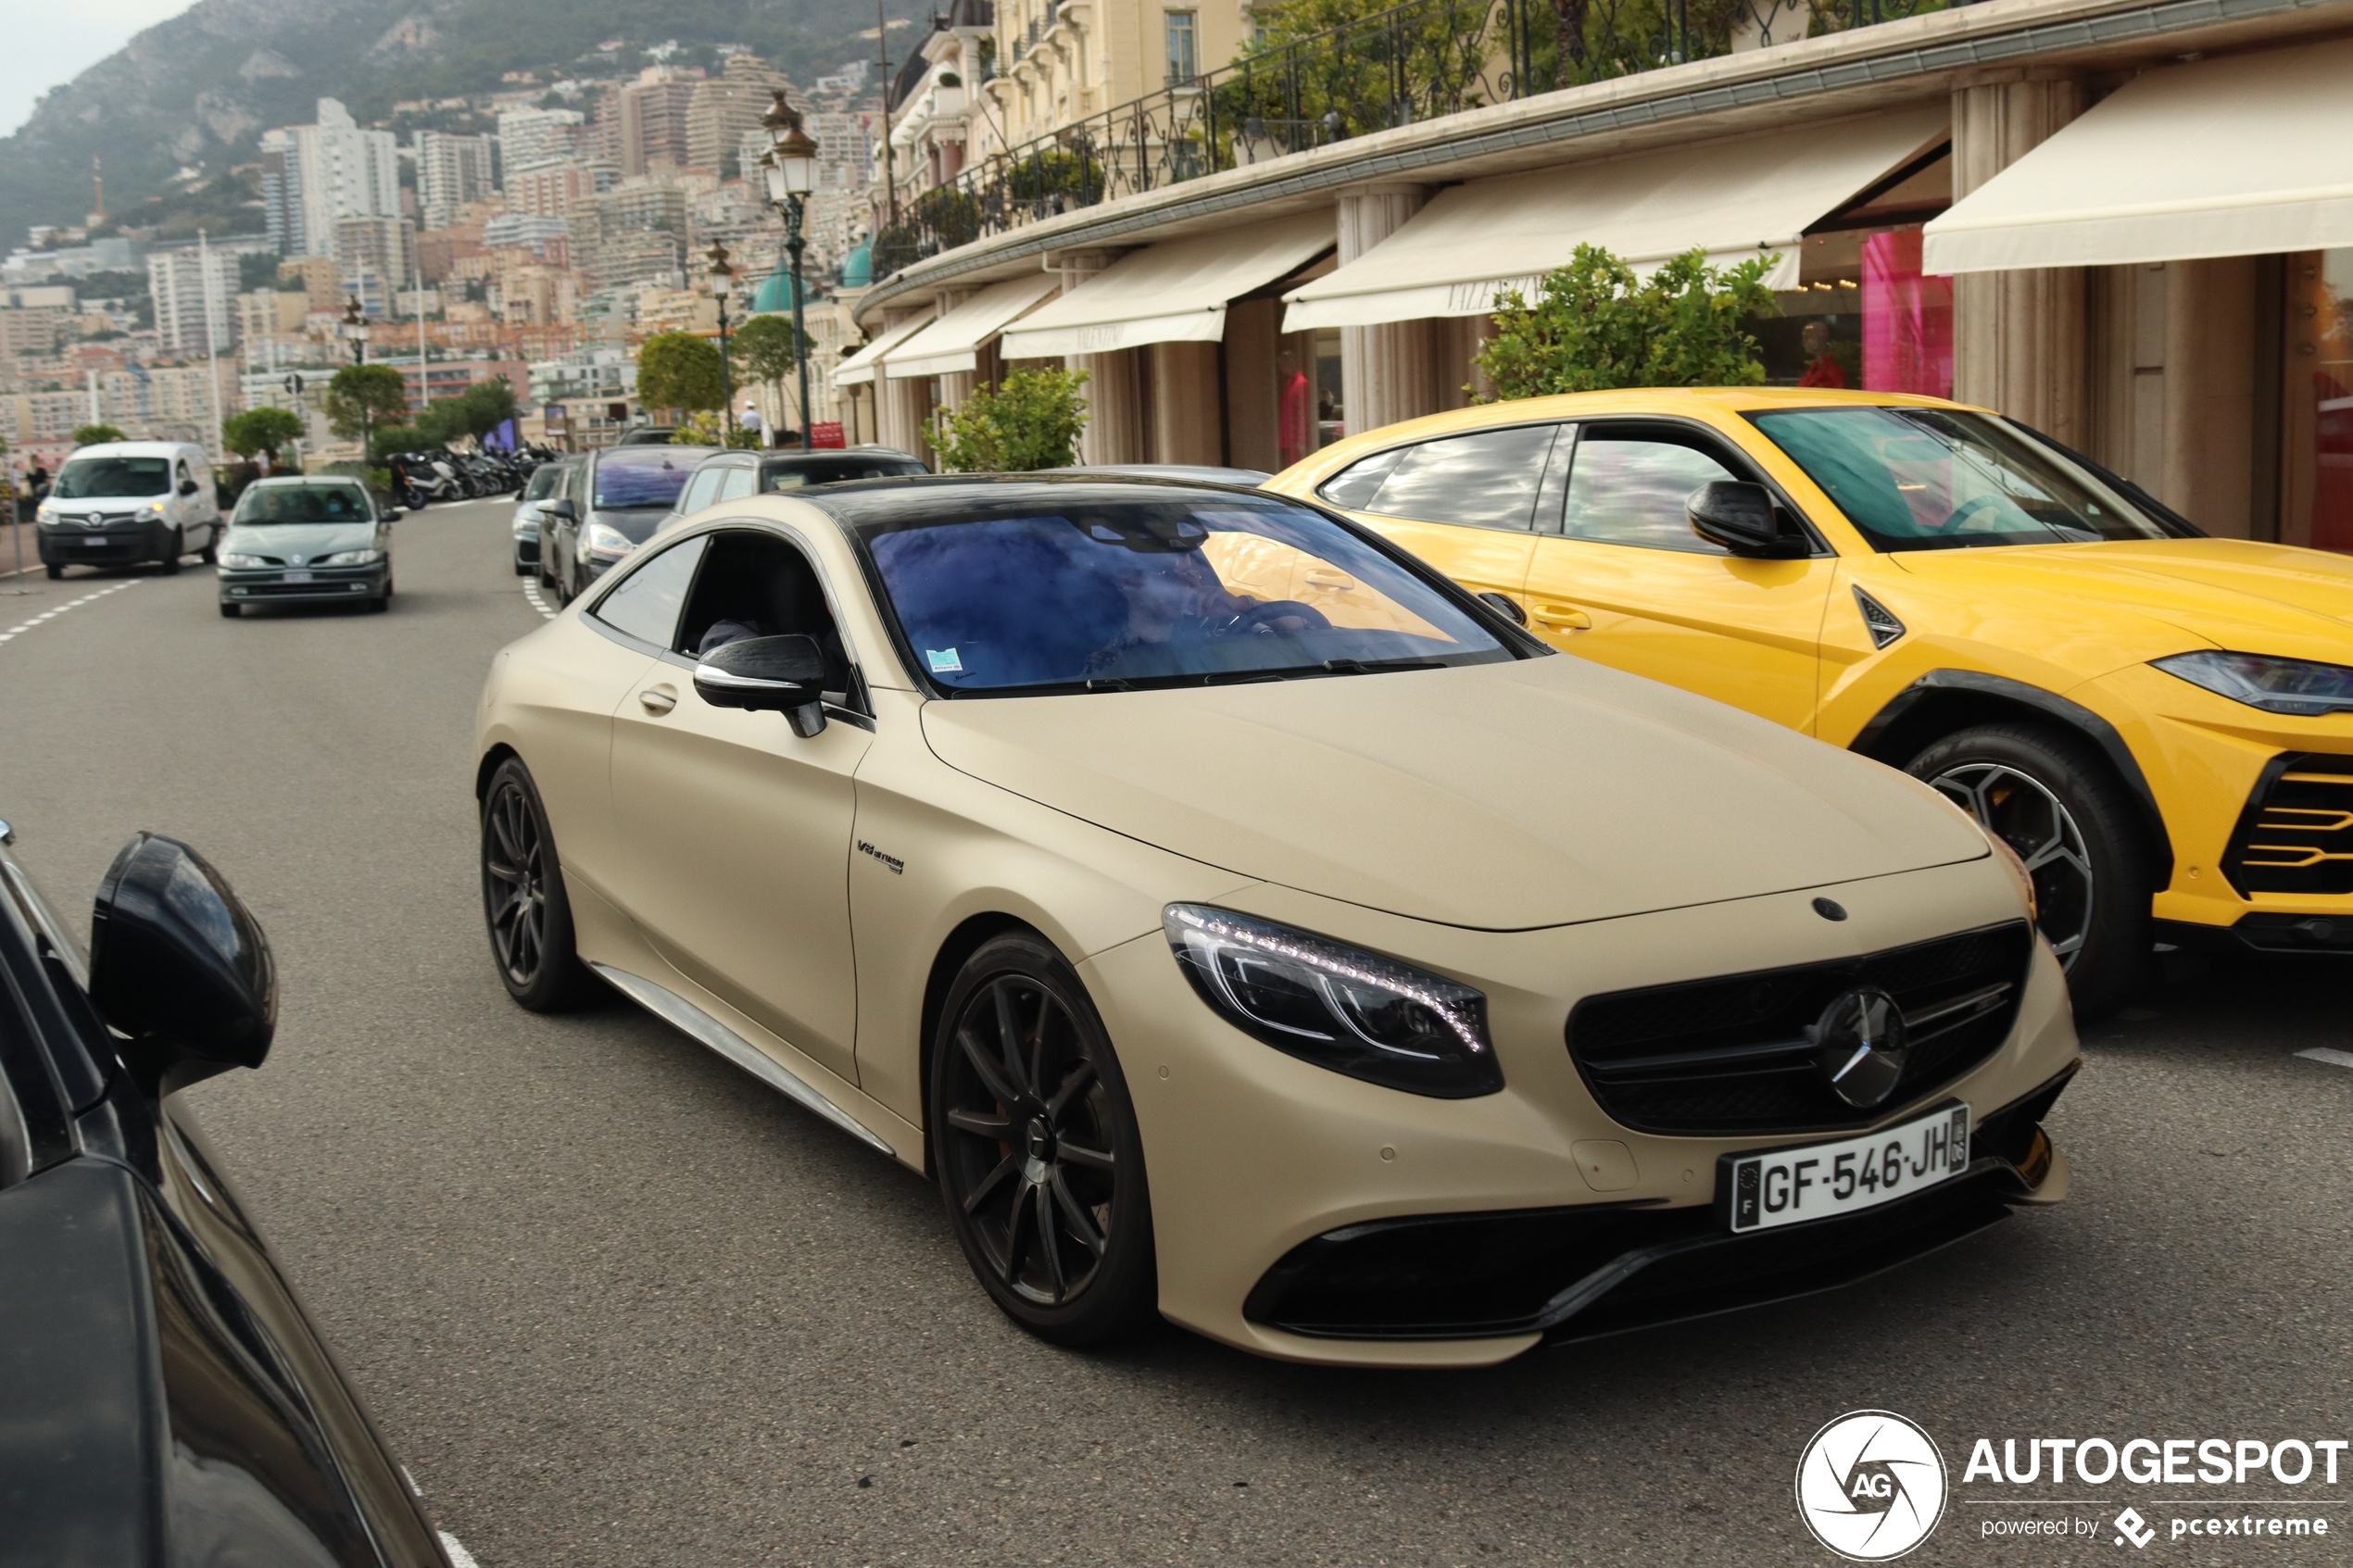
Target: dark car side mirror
[[187, 487], [767, 674], [1506, 607], [1740, 516], [560, 509], [179, 964]]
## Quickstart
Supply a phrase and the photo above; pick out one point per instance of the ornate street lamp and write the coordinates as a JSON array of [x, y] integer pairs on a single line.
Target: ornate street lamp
[[723, 282], [790, 168], [355, 326]]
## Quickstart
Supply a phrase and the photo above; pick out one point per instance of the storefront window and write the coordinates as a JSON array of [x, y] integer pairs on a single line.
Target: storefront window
[[1862, 316], [2319, 391]]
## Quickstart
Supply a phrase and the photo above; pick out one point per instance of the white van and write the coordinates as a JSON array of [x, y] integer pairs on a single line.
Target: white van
[[122, 502]]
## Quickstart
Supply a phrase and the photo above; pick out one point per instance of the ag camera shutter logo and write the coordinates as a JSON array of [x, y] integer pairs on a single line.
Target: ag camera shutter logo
[[1870, 1486]]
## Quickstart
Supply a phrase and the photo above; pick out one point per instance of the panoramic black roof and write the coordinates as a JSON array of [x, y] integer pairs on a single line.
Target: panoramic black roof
[[932, 498]]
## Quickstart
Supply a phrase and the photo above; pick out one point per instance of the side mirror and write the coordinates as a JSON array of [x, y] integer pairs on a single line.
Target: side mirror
[[187, 487], [179, 964], [1740, 517], [773, 674], [1506, 607], [562, 510]]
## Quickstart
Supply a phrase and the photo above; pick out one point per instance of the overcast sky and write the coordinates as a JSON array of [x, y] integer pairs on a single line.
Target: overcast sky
[[50, 44]]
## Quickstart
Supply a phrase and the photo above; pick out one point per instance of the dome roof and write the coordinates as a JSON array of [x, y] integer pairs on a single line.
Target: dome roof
[[858, 267], [774, 293]]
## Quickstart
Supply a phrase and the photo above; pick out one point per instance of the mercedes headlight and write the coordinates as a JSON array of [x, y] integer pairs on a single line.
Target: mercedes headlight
[[1339, 1007], [2276, 685], [606, 540], [233, 562], [353, 557]]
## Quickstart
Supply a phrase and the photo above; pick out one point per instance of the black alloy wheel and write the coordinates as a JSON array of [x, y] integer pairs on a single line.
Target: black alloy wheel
[[1035, 1140], [2054, 799], [55, 570], [522, 897], [210, 554], [173, 551], [229, 611]]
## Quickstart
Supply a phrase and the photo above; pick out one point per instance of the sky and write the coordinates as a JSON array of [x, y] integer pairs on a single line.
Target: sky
[[51, 45]]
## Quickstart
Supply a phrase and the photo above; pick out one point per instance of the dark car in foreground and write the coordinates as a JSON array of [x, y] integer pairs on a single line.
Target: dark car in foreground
[[163, 1397], [730, 476], [610, 502]]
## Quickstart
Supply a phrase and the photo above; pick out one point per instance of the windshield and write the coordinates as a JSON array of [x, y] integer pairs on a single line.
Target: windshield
[[1111, 593], [834, 470], [1939, 479], [644, 476], [543, 481], [265, 504], [83, 478]]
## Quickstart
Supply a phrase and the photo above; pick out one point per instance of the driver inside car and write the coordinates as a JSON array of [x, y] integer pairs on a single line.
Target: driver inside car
[[1175, 598]]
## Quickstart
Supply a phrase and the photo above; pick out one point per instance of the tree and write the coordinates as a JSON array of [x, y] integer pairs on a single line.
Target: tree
[[92, 435], [485, 406], [398, 438], [1029, 421], [264, 429], [1597, 326], [679, 370], [763, 347], [363, 397]]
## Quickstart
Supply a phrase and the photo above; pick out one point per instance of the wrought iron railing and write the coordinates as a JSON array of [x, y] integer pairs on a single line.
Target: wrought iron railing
[[1414, 62]]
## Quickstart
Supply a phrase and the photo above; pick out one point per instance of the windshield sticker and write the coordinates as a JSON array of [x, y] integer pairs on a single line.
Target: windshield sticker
[[944, 661]]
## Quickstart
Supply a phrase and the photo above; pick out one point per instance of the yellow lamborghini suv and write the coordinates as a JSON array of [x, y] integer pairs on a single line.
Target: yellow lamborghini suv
[[2159, 722]]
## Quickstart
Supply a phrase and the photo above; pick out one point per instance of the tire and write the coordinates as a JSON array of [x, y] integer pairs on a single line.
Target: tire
[[55, 570], [524, 910], [178, 547], [210, 554], [379, 604], [229, 612], [1031, 1120], [2055, 799]]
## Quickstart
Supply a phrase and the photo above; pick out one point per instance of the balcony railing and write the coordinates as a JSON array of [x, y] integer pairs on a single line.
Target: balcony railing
[[1414, 62]]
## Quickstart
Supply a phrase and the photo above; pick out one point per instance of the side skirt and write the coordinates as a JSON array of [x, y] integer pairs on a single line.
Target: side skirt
[[690, 1020]]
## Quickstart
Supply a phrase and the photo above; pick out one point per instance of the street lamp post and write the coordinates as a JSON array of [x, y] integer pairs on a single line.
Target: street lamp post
[[355, 326], [723, 281], [790, 166]]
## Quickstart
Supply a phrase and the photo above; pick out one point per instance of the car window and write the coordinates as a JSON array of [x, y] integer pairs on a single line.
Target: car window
[[543, 482], [91, 478], [1485, 480], [647, 602], [736, 483], [1629, 490], [755, 584], [264, 504], [701, 490], [1353, 487], [1049, 589], [801, 472], [641, 476], [1931, 479]]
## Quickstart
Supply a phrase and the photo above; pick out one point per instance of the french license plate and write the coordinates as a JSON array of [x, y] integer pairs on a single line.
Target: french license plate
[[1817, 1180], [297, 577]]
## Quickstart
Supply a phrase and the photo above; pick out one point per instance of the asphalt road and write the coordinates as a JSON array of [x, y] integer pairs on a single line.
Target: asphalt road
[[615, 1303]]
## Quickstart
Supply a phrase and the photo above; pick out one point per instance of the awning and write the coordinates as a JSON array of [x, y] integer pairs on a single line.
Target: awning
[[859, 369], [1173, 292], [951, 343], [1733, 199], [2243, 155]]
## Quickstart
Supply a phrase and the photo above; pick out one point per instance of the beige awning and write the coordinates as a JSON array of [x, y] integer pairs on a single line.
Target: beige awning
[[2243, 155], [951, 344], [859, 369], [1173, 292], [1733, 199]]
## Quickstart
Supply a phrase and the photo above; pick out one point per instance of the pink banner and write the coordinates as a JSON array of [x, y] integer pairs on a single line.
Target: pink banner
[[1908, 318]]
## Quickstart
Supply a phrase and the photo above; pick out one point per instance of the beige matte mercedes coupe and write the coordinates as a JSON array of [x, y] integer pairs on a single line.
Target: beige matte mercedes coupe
[[1239, 922]]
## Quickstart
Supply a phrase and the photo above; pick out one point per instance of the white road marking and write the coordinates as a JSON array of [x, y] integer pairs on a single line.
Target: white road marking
[[2334, 1058], [24, 626], [458, 1556], [531, 592]]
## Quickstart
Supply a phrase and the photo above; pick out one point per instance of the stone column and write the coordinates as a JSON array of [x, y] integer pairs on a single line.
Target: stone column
[[1188, 423], [1252, 415], [1386, 372], [2210, 392], [1115, 430], [956, 385], [903, 406], [2017, 335]]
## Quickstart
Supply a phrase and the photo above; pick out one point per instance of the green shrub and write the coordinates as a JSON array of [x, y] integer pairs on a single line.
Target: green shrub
[[1030, 421], [1596, 326]]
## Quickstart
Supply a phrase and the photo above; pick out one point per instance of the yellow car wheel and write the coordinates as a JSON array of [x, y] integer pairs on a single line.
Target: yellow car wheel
[[2054, 800]]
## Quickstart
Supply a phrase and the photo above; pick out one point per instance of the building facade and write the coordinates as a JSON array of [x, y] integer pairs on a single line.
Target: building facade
[[452, 172], [195, 289], [314, 176]]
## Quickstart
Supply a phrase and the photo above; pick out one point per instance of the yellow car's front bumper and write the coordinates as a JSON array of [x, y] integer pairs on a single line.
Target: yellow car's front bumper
[[1303, 1214], [2262, 836]]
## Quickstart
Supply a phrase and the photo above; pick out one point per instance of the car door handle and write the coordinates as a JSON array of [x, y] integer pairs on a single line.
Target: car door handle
[[657, 700], [1564, 618]]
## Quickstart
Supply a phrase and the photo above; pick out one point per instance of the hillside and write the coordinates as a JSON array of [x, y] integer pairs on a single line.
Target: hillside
[[195, 92]]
